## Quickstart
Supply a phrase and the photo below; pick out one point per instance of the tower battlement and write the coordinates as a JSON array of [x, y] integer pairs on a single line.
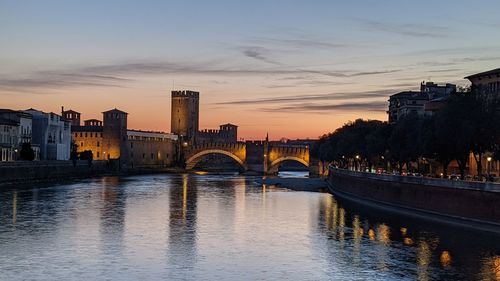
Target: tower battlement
[[186, 93]]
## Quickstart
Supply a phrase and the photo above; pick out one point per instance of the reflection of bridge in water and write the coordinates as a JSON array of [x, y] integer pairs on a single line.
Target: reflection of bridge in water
[[257, 156]]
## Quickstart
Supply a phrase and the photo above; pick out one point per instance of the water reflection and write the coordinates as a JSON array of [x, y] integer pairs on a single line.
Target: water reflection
[[441, 252], [193, 227], [182, 226]]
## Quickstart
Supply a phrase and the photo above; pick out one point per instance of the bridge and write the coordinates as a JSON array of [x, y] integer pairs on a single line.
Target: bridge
[[258, 156]]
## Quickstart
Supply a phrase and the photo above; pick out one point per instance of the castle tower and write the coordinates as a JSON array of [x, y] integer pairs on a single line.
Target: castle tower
[[114, 133], [185, 114], [72, 116]]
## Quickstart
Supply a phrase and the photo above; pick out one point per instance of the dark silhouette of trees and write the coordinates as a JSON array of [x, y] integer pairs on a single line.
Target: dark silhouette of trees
[[465, 124], [27, 153]]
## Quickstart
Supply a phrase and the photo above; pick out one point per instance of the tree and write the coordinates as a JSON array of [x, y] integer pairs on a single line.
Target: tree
[[27, 153]]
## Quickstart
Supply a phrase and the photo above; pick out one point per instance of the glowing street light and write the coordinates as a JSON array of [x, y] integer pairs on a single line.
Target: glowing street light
[[489, 166]]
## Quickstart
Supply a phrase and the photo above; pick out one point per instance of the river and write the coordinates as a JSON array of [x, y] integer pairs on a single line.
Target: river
[[223, 227]]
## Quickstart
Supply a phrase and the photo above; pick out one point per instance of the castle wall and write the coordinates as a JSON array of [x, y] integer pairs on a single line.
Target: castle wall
[[90, 140]]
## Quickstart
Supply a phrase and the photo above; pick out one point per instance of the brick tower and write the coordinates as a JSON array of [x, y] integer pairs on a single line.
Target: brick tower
[[114, 133], [185, 114]]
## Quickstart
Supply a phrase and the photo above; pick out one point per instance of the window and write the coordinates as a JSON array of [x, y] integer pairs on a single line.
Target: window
[[97, 154], [131, 145], [152, 156], [81, 134], [98, 144], [143, 155], [85, 134]]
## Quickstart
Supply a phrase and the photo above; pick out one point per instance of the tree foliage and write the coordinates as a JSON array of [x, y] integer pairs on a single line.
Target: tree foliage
[[465, 124]]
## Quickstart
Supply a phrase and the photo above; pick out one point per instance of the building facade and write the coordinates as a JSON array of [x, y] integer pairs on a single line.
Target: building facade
[[110, 139], [52, 134], [486, 84], [184, 119], [9, 132], [427, 101]]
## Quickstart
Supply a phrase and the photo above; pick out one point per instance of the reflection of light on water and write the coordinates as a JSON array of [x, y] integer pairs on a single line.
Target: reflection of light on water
[[490, 269], [201, 172], [371, 234], [383, 234], [184, 196], [408, 241], [423, 260], [341, 224], [14, 207], [403, 230], [445, 259]]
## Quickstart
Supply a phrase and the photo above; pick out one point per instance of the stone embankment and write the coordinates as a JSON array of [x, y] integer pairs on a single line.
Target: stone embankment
[[474, 204]]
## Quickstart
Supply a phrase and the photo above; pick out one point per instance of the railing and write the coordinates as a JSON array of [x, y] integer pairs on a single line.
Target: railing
[[485, 186]]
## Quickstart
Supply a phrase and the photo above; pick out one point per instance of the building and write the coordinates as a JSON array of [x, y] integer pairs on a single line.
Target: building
[[9, 131], [227, 133], [427, 101], [24, 120], [486, 84], [110, 139], [185, 115], [52, 134]]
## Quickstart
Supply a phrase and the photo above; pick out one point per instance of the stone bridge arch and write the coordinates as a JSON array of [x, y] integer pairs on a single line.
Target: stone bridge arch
[[280, 153], [194, 159], [235, 151]]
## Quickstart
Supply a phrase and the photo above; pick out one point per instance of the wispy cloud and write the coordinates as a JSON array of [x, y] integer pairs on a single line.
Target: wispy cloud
[[300, 42], [319, 97], [408, 29], [378, 106], [55, 80], [258, 53], [117, 74]]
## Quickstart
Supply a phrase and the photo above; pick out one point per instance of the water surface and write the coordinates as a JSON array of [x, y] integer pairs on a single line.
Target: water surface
[[206, 227]]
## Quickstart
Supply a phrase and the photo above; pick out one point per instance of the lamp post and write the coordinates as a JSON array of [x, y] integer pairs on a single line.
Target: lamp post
[[489, 167], [358, 168]]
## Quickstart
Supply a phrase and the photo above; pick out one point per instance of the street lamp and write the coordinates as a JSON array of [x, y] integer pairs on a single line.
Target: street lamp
[[489, 166]]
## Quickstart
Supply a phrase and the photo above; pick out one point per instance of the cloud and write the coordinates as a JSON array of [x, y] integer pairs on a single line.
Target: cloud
[[258, 53], [301, 43], [319, 97], [117, 74], [54, 80], [408, 29], [378, 106]]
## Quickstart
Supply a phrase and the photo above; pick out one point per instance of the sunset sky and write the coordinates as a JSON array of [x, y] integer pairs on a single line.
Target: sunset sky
[[295, 69]]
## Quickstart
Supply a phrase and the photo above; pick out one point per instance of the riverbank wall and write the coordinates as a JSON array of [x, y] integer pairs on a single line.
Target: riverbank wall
[[24, 172], [13, 173], [470, 203]]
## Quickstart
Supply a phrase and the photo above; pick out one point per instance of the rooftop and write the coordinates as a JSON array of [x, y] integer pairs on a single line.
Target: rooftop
[[486, 73], [115, 110]]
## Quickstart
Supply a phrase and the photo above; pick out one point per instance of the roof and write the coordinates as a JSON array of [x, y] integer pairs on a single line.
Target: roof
[[6, 110], [115, 111], [486, 73], [229, 124], [71, 111], [405, 94]]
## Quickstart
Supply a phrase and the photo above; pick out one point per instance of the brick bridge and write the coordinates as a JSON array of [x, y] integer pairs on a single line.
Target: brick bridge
[[258, 156]]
